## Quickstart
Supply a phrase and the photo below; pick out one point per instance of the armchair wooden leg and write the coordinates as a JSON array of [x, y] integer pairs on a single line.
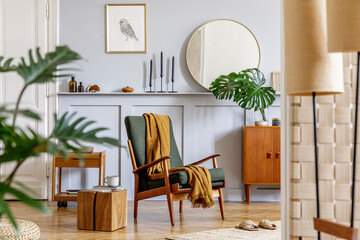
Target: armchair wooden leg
[[171, 209], [135, 207], [181, 206], [135, 195], [221, 203], [169, 195]]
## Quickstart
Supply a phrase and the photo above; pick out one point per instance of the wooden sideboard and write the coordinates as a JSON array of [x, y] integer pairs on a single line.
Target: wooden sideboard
[[261, 157]]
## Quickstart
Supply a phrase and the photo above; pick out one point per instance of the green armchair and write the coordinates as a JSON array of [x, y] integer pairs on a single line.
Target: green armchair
[[174, 186]]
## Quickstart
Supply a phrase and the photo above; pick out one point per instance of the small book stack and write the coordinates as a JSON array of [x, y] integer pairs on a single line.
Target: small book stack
[[102, 188], [73, 191]]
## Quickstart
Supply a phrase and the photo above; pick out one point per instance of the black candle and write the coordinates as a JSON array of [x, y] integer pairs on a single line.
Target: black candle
[[150, 84], [172, 75], [161, 64]]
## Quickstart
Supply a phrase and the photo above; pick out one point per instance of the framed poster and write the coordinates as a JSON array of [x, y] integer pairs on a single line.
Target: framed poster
[[125, 28]]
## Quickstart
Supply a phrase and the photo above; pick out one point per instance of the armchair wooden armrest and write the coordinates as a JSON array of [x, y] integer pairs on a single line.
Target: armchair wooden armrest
[[213, 157], [151, 164]]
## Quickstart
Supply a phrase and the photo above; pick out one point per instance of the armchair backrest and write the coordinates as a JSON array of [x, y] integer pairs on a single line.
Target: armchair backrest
[[136, 131]]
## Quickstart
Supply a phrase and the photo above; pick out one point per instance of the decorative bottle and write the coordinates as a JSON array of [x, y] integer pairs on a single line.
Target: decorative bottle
[[81, 88], [72, 85]]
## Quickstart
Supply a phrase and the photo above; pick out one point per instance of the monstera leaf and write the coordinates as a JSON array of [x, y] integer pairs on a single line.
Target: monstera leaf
[[6, 67], [246, 89], [225, 87], [253, 95]]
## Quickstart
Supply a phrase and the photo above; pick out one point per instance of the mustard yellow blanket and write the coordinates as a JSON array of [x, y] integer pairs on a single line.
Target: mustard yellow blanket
[[158, 145]]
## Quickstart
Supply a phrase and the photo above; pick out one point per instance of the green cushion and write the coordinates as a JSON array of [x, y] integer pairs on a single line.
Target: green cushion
[[217, 175], [136, 131]]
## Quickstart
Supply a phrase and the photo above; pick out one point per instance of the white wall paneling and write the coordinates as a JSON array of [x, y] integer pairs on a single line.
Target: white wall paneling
[[202, 126]]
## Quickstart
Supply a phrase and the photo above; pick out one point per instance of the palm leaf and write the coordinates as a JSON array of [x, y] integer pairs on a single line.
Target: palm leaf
[[18, 144], [66, 131], [5, 112], [44, 68], [23, 197], [5, 209]]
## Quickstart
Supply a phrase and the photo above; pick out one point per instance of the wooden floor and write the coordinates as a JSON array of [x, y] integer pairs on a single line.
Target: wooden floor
[[153, 219]]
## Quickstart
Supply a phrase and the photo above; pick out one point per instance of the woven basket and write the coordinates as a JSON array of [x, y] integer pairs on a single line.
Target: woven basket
[[27, 230], [85, 149]]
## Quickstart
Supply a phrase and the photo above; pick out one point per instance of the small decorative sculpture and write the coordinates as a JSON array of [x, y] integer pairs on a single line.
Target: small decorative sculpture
[[127, 89]]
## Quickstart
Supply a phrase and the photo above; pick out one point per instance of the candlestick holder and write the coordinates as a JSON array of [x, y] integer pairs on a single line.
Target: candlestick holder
[[172, 86], [161, 85], [150, 91]]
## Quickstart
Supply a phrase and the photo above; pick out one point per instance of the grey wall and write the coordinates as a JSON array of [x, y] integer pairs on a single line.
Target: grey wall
[[170, 24]]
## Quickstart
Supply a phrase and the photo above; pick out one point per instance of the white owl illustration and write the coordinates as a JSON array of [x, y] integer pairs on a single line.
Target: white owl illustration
[[127, 30]]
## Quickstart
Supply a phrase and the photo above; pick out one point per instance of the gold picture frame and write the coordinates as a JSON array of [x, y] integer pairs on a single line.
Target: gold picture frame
[[126, 28]]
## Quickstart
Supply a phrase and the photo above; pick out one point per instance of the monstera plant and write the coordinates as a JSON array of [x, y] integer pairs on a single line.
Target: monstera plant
[[246, 88], [17, 144]]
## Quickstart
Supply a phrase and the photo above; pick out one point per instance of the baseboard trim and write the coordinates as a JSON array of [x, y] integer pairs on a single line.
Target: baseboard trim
[[261, 194]]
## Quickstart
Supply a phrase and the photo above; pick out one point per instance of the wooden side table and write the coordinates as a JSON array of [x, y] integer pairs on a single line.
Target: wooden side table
[[102, 211], [92, 160]]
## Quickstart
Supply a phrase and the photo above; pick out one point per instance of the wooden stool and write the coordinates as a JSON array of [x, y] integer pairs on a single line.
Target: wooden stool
[[102, 211]]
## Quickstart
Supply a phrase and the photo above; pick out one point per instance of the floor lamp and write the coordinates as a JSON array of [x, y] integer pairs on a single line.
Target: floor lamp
[[343, 25], [309, 69]]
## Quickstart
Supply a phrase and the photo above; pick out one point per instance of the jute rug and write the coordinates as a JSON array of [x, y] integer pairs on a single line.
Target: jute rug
[[231, 234]]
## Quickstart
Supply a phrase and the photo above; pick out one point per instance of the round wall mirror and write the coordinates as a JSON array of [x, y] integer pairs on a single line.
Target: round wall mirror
[[220, 47]]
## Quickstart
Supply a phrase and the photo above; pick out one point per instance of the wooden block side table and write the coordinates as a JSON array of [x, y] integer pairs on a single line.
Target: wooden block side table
[[85, 210], [102, 211]]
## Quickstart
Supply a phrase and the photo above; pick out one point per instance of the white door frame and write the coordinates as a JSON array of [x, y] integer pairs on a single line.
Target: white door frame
[[50, 32], [53, 41], [285, 140]]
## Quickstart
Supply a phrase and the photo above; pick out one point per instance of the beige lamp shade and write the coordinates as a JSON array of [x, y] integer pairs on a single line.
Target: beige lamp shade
[[343, 22], [308, 65]]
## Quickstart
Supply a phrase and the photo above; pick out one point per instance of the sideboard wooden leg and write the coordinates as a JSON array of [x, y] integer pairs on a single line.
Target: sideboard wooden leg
[[247, 192]]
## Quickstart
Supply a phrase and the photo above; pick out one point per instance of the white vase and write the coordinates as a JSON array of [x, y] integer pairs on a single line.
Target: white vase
[[261, 123]]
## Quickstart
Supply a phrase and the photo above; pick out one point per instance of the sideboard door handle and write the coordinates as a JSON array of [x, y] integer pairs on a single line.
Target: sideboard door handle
[[269, 155], [277, 155]]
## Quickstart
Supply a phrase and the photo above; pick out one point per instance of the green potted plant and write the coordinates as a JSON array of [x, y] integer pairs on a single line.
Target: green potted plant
[[17, 144], [246, 89]]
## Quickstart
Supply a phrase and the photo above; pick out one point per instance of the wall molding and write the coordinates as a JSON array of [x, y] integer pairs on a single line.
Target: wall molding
[[202, 126]]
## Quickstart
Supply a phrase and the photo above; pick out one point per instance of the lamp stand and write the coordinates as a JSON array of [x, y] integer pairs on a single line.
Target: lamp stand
[[355, 146], [325, 226], [316, 161]]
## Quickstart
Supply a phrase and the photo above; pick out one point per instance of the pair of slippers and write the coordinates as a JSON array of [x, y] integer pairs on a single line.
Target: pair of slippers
[[251, 226]]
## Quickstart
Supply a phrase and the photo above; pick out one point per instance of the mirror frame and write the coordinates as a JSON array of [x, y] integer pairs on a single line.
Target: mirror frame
[[221, 19]]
